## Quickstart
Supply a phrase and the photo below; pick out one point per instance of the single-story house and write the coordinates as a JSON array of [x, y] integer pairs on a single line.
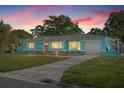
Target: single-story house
[[69, 44]]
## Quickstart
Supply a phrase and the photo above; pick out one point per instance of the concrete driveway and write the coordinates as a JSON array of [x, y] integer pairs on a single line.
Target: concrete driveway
[[52, 71]]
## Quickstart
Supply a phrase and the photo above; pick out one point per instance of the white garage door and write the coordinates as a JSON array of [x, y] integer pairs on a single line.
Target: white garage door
[[92, 47]]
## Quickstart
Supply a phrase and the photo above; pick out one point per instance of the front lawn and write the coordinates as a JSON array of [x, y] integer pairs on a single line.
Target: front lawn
[[98, 72], [9, 62]]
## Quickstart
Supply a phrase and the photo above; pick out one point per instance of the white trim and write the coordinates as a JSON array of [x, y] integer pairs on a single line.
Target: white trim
[[32, 43], [74, 49], [57, 48]]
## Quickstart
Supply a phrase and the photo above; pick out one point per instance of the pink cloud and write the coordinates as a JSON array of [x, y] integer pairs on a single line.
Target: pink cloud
[[11, 18], [22, 20], [32, 9], [95, 19], [90, 21], [80, 20], [23, 23], [25, 18]]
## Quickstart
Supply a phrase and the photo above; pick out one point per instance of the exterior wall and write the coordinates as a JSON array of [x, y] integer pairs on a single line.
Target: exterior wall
[[39, 48], [25, 48], [65, 49], [107, 50]]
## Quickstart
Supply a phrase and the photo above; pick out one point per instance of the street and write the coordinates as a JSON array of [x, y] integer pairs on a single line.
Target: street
[[13, 83]]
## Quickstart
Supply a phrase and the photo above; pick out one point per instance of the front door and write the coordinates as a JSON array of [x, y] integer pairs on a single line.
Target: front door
[[46, 48]]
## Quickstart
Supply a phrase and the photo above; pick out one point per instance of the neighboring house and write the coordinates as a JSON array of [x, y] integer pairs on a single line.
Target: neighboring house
[[69, 44]]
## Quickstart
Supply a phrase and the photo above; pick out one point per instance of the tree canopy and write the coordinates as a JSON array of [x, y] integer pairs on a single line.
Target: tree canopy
[[15, 38], [57, 25], [114, 26], [4, 28], [20, 33], [95, 31], [9, 39], [4, 33]]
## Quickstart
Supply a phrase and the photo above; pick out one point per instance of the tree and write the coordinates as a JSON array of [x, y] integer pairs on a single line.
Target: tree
[[15, 38], [96, 31], [114, 26], [57, 25], [9, 39], [4, 28], [22, 34], [4, 33], [38, 31]]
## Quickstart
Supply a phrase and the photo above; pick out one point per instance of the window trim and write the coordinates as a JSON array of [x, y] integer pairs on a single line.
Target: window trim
[[75, 49], [32, 45], [62, 44]]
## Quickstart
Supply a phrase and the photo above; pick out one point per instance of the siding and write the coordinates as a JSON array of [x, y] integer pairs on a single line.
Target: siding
[[25, 45], [25, 48], [82, 45], [103, 45], [65, 49], [39, 45], [110, 51]]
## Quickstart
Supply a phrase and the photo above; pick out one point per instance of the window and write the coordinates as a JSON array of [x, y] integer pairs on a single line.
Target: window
[[31, 45], [74, 45], [57, 45]]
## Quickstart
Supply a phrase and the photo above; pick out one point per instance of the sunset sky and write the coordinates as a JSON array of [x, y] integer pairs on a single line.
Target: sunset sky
[[26, 17]]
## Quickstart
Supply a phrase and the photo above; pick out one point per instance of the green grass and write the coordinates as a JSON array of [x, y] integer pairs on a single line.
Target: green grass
[[98, 72], [10, 62]]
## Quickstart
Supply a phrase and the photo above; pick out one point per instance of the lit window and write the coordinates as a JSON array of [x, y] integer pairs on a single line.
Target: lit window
[[31, 45], [57, 45], [74, 45]]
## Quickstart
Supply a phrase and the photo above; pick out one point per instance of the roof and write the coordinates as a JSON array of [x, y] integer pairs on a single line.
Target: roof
[[70, 37], [74, 37]]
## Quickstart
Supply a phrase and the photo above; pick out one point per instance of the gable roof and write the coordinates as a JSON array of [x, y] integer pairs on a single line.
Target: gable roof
[[70, 37]]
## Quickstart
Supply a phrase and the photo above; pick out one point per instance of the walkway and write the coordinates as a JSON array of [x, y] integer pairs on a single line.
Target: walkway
[[49, 72]]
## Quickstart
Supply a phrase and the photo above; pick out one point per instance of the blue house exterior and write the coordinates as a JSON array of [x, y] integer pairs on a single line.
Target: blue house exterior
[[69, 44]]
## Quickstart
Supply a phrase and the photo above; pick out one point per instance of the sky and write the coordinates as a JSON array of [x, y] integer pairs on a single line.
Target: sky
[[28, 16]]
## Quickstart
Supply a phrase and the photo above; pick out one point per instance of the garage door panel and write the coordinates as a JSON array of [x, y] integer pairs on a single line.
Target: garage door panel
[[92, 47]]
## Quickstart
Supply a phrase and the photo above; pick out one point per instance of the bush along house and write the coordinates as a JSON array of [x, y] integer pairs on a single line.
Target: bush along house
[[70, 44]]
